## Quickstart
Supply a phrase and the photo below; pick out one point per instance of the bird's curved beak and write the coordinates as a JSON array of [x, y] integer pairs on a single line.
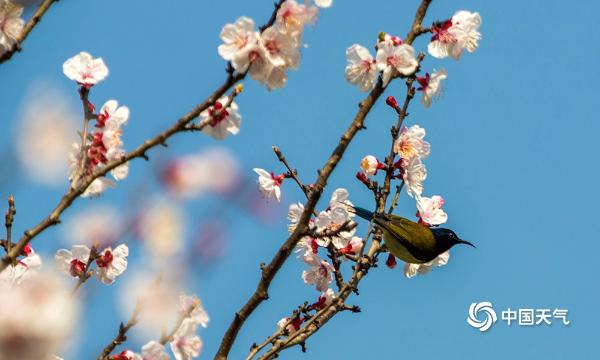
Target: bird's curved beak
[[466, 242]]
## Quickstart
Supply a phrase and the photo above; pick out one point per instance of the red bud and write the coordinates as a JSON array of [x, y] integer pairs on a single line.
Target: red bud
[[391, 101]]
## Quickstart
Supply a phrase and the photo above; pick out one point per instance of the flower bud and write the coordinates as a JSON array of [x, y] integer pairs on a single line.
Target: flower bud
[[391, 101]]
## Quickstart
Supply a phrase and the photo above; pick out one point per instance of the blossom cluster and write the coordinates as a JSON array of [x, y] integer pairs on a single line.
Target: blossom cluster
[[411, 147], [333, 228], [104, 143], [394, 58], [267, 54], [37, 309], [11, 24], [184, 343], [110, 262]]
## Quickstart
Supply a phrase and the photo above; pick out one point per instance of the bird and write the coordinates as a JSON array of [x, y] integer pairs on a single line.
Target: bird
[[410, 241]]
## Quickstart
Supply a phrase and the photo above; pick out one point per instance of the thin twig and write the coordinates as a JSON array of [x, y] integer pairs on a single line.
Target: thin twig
[[8, 221], [165, 338], [396, 196], [122, 334], [292, 172], [33, 21], [86, 273]]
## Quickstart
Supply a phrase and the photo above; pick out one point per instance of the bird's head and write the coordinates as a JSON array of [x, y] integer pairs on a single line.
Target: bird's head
[[447, 238]]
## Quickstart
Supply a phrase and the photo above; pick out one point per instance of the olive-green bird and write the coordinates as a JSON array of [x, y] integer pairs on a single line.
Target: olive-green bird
[[409, 241]]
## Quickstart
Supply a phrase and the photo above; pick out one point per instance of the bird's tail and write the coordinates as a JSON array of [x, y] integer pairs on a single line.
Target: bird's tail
[[363, 213]]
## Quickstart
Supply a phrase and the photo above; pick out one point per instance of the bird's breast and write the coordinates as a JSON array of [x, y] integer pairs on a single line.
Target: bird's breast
[[399, 251]]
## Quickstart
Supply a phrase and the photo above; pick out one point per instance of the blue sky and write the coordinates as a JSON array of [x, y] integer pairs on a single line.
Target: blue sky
[[514, 146]]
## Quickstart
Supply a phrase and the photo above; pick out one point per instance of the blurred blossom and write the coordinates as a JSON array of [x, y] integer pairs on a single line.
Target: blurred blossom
[[47, 129], [160, 299], [215, 169], [96, 224], [25, 268], [35, 317], [186, 344], [11, 24], [161, 227], [198, 315], [211, 240]]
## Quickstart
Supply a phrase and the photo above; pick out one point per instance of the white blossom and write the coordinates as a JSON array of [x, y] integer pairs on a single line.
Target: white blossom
[[319, 274], [362, 68], [348, 245], [414, 174], [11, 24], [411, 270], [221, 121], [269, 184], [111, 263], [453, 36], [307, 248], [280, 49], [292, 17], [85, 70], [431, 86], [369, 164], [410, 144], [72, 262], [240, 39], [294, 212], [430, 210], [395, 59], [335, 217]]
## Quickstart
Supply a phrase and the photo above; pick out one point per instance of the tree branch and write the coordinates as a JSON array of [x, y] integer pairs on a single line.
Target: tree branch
[[33, 21], [364, 263], [140, 152]]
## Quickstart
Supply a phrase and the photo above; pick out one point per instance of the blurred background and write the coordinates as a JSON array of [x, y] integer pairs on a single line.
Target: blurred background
[[514, 143]]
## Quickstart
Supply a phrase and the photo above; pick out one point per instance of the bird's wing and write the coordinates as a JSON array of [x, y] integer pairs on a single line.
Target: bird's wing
[[417, 239]]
